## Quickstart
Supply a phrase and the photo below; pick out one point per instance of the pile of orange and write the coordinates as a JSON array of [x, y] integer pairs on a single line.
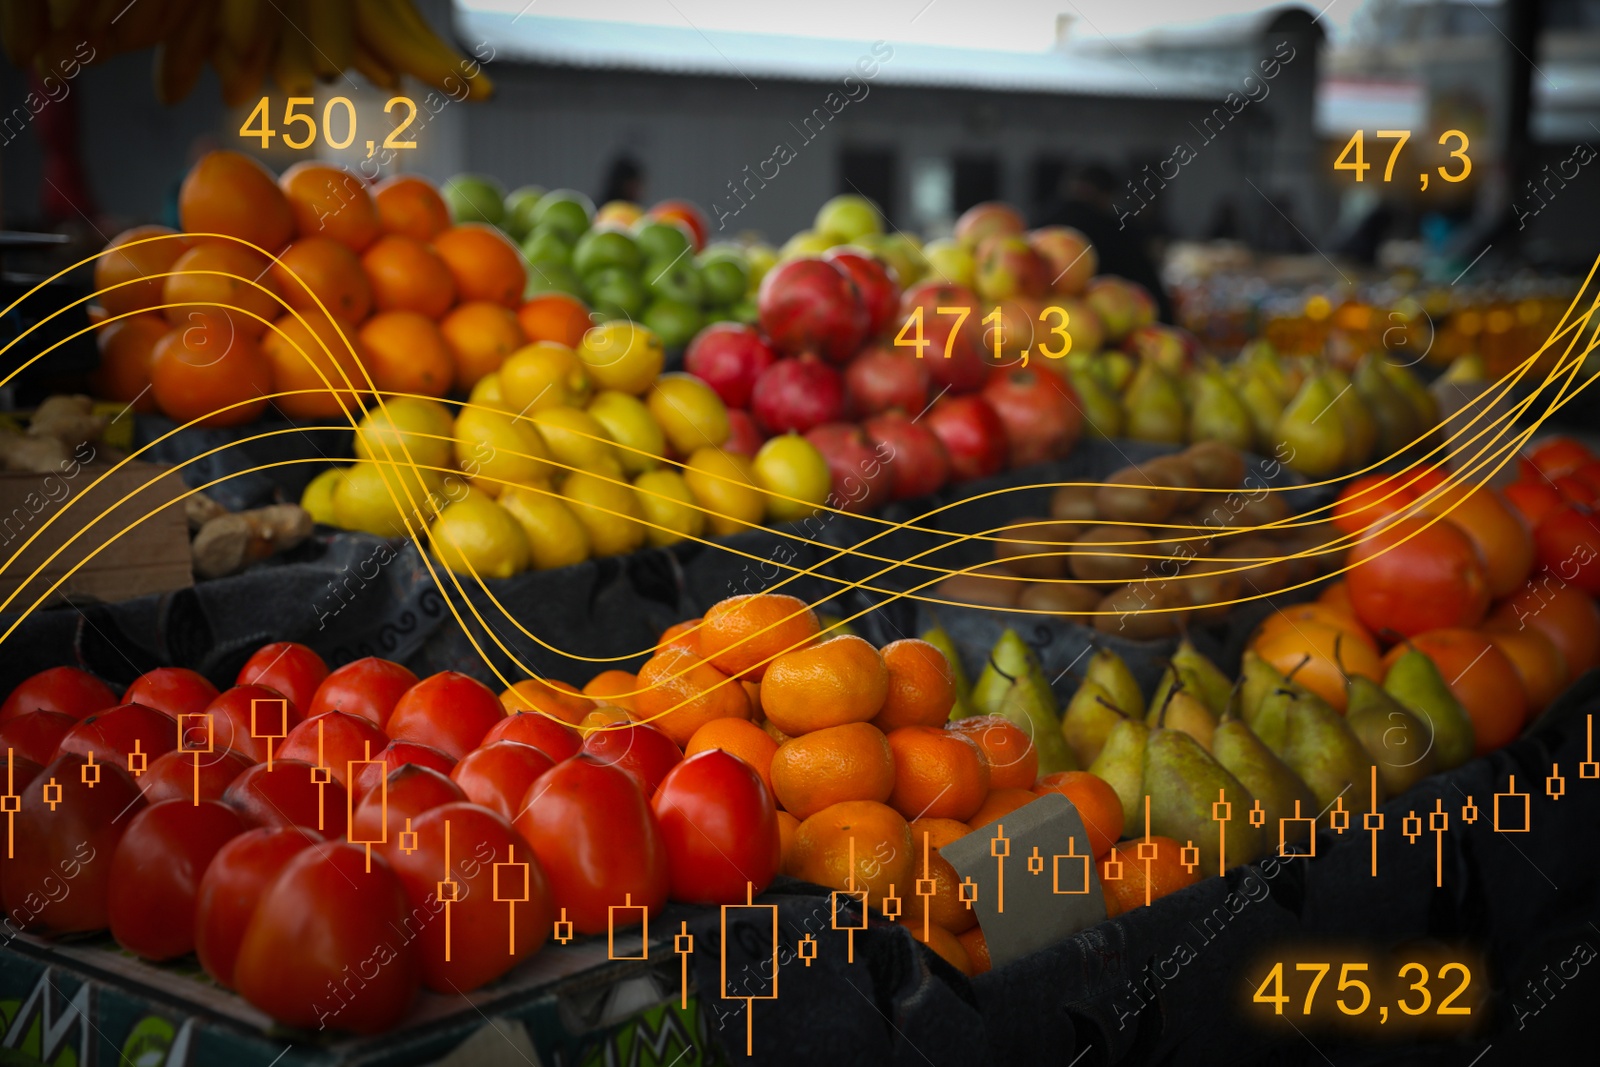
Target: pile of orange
[[314, 286]]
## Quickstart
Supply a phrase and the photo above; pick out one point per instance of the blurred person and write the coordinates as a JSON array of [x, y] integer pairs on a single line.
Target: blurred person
[[624, 181], [1086, 205]]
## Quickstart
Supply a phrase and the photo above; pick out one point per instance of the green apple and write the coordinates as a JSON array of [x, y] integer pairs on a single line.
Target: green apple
[[674, 322], [762, 258], [546, 245], [600, 249], [474, 198], [565, 210], [679, 281], [662, 241], [744, 310], [614, 290], [848, 217], [725, 275], [807, 243], [951, 261], [551, 278], [519, 207]]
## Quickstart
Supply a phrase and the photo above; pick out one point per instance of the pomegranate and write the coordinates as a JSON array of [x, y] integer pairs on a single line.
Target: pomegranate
[[1071, 258], [862, 477], [972, 434], [881, 378], [1039, 411], [875, 281], [965, 370], [810, 305], [912, 450], [744, 437], [729, 357], [797, 394]]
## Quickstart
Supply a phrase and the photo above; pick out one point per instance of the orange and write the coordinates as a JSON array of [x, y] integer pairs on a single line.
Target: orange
[[1496, 530], [922, 687], [998, 804], [125, 350], [332, 202], [208, 370], [311, 351], [1370, 501], [406, 353], [787, 827], [942, 942], [221, 274], [1166, 874], [1568, 616], [873, 833], [1337, 598], [555, 317], [741, 634], [1319, 657], [230, 193], [408, 275], [1013, 761], [1417, 574], [829, 683], [1538, 663], [558, 699], [1481, 678], [411, 206], [680, 692], [684, 635], [136, 266], [1097, 803], [937, 774], [484, 264], [1316, 613], [613, 687], [742, 738], [840, 763], [753, 691], [481, 335], [977, 947], [318, 268], [944, 907]]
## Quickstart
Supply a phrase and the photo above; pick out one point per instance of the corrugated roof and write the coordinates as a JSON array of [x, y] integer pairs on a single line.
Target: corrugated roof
[[596, 44]]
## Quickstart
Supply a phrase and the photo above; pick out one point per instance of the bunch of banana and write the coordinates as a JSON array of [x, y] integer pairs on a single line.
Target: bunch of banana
[[297, 42]]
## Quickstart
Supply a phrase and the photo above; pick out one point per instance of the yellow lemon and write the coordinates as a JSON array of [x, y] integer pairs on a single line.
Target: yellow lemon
[[577, 439], [669, 506], [487, 392], [555, 536], [375, 498], [622, 355], [543, 375], [495, 449], [691, 414], [634, 429], [475, 535], [406, 429], [724, 484], [609, 510], [318, 497], [795, 474]]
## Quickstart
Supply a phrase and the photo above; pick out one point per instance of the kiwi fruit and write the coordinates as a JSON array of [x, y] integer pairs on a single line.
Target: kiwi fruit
[[1021, 550], [1128, 612], [1260, 511], [1266, 577], [1207, 587], [1067, 602], [1177, 471], [980, 590], [1217, 464], [1114, 564], [1074, 503], [1133, 494]]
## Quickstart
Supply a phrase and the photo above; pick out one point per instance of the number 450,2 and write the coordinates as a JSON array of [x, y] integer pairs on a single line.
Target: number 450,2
[[259, 123]]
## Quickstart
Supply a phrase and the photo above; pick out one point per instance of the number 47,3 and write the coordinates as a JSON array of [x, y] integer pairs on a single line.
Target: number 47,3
[[1357, 146]]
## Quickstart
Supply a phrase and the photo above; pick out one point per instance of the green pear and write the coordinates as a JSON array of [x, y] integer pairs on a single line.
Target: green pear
[[1183, 781], [1013, 686], [1110, 670], [1417, 684], [1218, 413], [1397, 423], [1202, 677], [1271, 720], [1115, 369], [1310, 433], [1321, 749], [1155, 406], [1360, 430], [1423, 403], [962, 708], [1257, 679], [1268, 778], [1090, 715], [1260, 399], [1182, 710], [1398, 741], [1121, 765], [1102, 410]]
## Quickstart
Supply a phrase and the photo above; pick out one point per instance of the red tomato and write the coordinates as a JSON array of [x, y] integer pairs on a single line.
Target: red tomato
[[597, 842], [36, 734], [1568, 541], [1589, 474], [720, 828], [1533, 500], [1415, 575], [113, 735], [293, 670], [64, 689], [59, 879], [498, 775], [368, 688], [172, 776], [412, 790], [1558, 455], [485, 940], [285, 793], [246, 718], [239, 873], [551, 736], [399, 754], [343, 738], [640, 749], [1575, 490], [1369, 501], [325, 919], [156, 871], [174, 690], [448, 710], [18, 772]]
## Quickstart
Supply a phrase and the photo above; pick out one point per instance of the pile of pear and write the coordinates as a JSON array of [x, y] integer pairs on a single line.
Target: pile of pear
[[1317, 419], [1260, 739]]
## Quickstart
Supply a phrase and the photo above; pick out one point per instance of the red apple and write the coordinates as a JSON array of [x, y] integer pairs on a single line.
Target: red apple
[[1022, 326], [1121, 305], [972, 434], [1083, 326], [881, 378], [1009, 268], [985, 220], [966, 369], [797, 394], [684, 212], [1039, 411], [875, 281], [810, 305], [744, 437], [912, 451], [1070, 258], [862, 480], [1167, 347], [729, 357]]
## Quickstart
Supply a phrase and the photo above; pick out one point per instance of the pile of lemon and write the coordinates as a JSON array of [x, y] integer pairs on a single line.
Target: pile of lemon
[[561, 455]]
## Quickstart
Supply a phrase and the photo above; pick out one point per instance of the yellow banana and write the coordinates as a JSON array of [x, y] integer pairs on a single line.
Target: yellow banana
[[68, 14], [374, 69], [145, 24], [241, 23], [241, 76], [291, 63], [180, 57], [401, 39], [331, 25], [22, 26]]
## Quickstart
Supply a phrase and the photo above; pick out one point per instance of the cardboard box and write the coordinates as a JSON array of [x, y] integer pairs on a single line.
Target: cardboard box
[[140, 546]]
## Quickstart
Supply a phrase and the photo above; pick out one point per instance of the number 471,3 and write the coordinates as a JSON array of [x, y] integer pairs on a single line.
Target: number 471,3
[[911, 332]]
